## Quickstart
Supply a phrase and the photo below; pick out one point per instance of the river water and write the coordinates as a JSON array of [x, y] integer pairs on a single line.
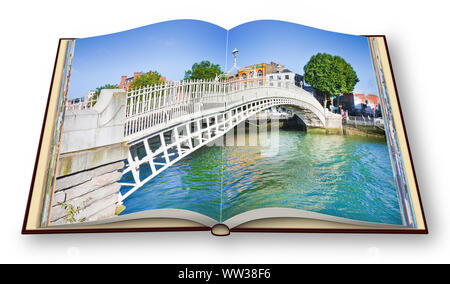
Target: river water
[[338, 175]]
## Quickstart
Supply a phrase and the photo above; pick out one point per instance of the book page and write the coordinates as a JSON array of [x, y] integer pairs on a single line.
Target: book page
[[319, 142], [140, 108]]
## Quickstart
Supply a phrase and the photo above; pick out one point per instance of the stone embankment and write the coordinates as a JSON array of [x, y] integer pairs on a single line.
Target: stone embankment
[[88, 195], [90, 163]]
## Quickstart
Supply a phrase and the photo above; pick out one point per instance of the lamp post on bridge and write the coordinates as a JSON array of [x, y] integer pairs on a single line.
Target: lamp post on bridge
[[235, 53]]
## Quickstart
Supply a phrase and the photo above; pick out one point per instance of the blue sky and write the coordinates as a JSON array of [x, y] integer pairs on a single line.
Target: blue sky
[[172, 47], [168, 47]]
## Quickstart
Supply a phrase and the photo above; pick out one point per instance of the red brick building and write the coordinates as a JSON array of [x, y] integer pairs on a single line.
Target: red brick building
[[125, 81], [367, 103]]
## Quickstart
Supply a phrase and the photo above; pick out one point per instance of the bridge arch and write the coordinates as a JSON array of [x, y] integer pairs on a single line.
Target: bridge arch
[[167, 122], [311, 111]]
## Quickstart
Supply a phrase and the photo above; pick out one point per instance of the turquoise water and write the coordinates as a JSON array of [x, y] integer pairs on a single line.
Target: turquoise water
[[338, 175]]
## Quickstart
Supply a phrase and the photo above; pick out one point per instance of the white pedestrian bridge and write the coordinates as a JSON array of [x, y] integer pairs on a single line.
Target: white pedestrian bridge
[[164, 123]]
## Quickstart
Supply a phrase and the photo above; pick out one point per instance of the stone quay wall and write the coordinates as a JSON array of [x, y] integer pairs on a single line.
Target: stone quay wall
[[361, 130], [90, 162], [89, 195]]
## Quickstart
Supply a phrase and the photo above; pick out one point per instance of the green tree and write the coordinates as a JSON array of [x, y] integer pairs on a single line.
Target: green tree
[[331, 75], [203, 70], [99, 89], [149, 78]]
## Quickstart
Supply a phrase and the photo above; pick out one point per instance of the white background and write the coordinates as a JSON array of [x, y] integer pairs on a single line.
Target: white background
[[418, 38]]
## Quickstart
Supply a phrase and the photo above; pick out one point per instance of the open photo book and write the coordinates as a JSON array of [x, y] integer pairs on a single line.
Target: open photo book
[[183, 125]]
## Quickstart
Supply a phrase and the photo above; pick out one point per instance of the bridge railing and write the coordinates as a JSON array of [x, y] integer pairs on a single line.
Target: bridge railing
[[161, 103], [157, 105], [364, 121]]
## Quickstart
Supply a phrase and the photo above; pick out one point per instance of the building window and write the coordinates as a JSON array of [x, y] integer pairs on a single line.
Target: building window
[[260, 73], [244, 76], [286, 77], [251, 74], [271, 77], [279, 77]]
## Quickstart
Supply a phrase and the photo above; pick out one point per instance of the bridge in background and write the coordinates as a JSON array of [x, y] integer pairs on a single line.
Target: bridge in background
[[164, 123]]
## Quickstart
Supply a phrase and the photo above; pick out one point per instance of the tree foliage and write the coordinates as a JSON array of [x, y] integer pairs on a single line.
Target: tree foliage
[[106, 86], [149, 78], [99, 89], [203, 70], [329, 74]]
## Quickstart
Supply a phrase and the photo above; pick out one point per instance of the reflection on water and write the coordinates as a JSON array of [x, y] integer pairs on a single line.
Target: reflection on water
[[343, 176]]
